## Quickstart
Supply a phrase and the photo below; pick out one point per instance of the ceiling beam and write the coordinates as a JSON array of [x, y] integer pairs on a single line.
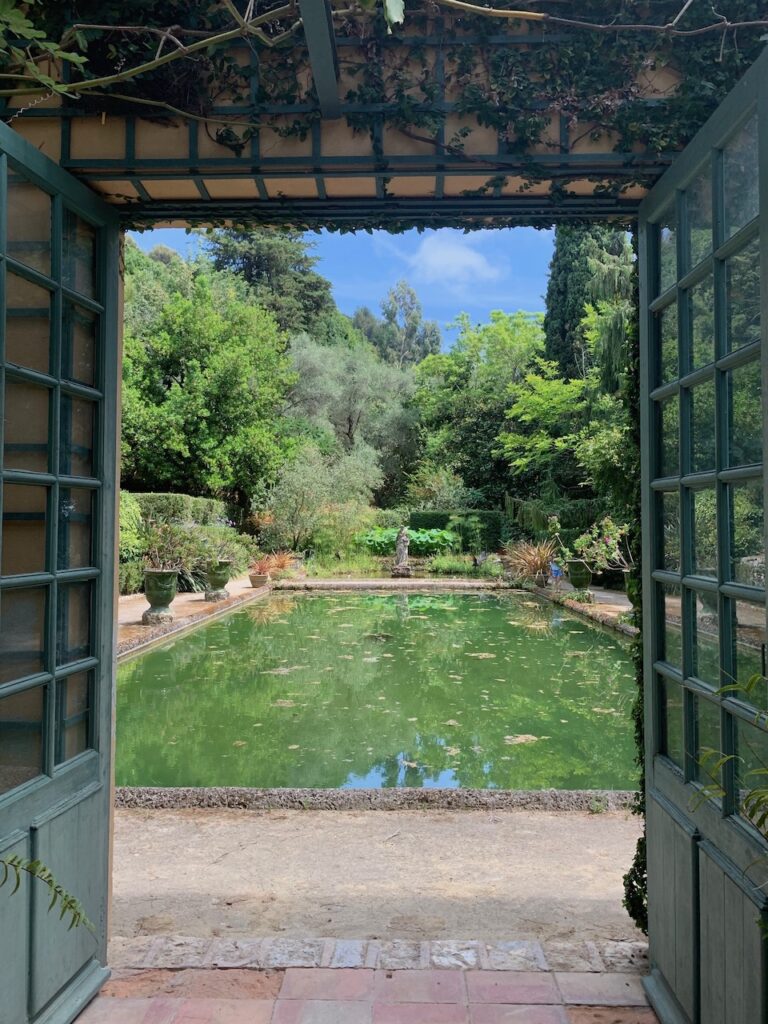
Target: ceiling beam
[[318, 30]]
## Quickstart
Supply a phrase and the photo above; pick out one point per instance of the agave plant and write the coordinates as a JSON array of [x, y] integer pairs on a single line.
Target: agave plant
[[282, 560], [529, 559]]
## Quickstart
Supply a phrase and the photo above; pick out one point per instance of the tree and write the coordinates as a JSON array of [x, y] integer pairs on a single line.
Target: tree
[[403, 337], [280, 269], [569, 290], [312, 486], [204, 381], [352, 396], [464, 395]]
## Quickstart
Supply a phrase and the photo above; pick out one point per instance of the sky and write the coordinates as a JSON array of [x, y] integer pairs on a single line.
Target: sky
[[452, 272]]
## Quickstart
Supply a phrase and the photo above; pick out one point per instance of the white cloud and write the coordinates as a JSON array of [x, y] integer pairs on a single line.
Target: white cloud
[[452, 260]]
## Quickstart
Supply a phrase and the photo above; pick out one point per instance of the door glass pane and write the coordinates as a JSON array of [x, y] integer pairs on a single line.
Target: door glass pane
[[751, 767], [672, 647], [670, 437], [746, 427], [22, 632], [77, 433], [741, 178], [702, 306], [699, 207], [28, 324], [73, 702], [21, 737], [78, 344], [671, 697], [29, 223], [79, 255], [23, 538], [703, 426], [73, 626], [75, 547], [747, 562], [668, 343], [668, 249], [704, 532], [748, 630], [26, 426], [742, 274], [670, 531], [707, 746], [706, 645]]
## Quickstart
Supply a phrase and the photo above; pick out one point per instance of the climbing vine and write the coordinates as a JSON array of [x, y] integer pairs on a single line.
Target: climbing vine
[[639, 85]]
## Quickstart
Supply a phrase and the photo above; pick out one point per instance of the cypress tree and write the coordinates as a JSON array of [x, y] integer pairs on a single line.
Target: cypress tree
[[569, 289]]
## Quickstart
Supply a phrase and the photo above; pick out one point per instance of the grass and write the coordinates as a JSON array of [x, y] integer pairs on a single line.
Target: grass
[[461, 565], [363, 564], [350, 564]]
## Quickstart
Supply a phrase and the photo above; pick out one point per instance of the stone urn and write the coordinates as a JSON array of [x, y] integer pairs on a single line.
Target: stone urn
[[579, 573], [217, 576], [159, 589]]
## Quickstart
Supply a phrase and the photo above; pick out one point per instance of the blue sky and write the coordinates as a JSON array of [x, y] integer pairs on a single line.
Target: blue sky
[[452, 272]]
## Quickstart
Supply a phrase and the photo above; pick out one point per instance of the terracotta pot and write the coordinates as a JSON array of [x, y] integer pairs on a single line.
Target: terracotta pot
[[258, 579]]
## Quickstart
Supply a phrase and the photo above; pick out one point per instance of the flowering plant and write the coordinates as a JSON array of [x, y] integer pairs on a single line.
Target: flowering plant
[[605, 546]]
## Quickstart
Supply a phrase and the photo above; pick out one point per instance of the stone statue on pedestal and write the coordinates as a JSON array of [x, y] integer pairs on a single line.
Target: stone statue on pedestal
[[401, 566]]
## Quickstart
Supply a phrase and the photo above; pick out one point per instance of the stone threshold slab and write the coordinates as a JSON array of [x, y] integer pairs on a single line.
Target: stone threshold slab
[[190, 952], [172, 798]]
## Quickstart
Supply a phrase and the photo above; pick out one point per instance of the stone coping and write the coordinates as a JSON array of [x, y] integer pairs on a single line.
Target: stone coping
[[596, 800], [424, 584], [179, 952], [603, 616]]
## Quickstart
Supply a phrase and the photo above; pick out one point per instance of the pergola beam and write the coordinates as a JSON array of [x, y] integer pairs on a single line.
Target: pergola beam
[[318, 30]]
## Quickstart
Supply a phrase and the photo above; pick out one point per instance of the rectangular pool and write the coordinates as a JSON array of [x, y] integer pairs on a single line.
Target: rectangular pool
[[477, 690]]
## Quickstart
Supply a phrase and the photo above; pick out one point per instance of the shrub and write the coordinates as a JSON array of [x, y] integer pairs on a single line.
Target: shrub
[[381, 541], [527, 559], [130, 576], [130, 540], [181, 509]]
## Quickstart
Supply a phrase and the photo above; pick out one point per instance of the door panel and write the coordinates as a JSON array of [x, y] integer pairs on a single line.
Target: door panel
[[704, 296], [58, 388]]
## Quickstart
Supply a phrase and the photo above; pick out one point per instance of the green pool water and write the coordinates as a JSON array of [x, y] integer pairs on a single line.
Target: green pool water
[[367, 690]]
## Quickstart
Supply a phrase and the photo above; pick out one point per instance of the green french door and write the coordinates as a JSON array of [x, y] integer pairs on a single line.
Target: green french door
[[58, 388], [704, 305]]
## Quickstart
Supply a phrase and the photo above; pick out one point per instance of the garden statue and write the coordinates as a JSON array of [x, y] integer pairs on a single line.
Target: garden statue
[[401, 566]]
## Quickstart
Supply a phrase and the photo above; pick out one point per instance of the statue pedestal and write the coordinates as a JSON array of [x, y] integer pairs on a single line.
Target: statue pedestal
[[401, 571]]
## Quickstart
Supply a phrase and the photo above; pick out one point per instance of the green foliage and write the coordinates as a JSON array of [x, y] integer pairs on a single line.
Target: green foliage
[[204, 380], [130, 576], [479, 530], [131, 522], [14, 868], [178, 508], [464, 396], [381, 541], [463, 565], [279, 267], [311, 490], [569, 289], [433, 486]]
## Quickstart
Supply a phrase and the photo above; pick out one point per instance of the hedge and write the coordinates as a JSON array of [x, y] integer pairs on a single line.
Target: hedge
[[494, 526], [181, 509]]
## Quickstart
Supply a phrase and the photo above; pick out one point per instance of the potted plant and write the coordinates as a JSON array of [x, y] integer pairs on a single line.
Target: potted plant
[[530, 560], [579, 571], [218, 568], [259, 571], [165, 554], [605, 546]]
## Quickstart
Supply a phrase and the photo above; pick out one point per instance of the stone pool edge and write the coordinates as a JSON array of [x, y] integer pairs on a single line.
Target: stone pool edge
[[176, 797]]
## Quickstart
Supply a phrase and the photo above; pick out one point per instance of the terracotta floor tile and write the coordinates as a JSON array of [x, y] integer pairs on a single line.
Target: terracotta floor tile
[[115, 1011], [420, 1013], [525, 987], [225, 1011], [601, 989], [327, 983], [495, 1013], [429, 986], [317, 1011], [611, 1015]]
